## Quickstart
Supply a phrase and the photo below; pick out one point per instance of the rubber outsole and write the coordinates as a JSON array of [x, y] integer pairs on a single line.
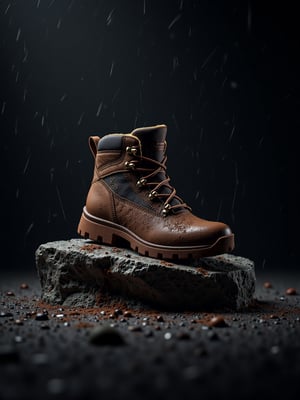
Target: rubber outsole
[[106, 232]]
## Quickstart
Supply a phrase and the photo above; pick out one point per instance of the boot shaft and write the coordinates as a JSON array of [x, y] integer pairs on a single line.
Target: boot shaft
[[115, 152], [133, 167]]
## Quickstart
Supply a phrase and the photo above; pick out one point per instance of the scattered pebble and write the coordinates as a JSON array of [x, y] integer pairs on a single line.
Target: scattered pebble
[[275, 350], [268, 285], [18, 339], [24, 285], [218, 322], [134, 328], [9, 293], [291, 291], [127, 314], [106, 336], [168, 335], [159, 318], [41, 317], [5, 314], [29, 314], [44, 326]]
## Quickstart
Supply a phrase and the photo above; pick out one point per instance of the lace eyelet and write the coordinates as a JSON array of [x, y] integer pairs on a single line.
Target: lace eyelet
[[129, 164], [141, 182], [131, 150], [152, 195], [166, 210]]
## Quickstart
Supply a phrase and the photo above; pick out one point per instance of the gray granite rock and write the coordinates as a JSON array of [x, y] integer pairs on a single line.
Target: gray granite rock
[[74, 272]]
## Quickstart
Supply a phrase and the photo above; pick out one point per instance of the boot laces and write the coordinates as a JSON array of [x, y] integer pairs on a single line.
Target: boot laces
[[148, 174]]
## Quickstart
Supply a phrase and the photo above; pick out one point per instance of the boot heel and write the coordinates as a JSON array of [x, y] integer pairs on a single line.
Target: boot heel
[[90, 230]]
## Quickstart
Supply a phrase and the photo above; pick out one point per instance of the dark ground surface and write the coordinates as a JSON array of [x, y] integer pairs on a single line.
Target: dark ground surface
[[164, 355]]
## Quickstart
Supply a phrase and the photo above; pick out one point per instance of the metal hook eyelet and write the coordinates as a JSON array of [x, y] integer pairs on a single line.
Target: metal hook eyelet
[[141, 182], [131, 150], [166, 210], [129, 164], [152, 195]]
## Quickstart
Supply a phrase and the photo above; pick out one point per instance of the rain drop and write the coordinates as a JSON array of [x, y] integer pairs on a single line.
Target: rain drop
[[18, 34]]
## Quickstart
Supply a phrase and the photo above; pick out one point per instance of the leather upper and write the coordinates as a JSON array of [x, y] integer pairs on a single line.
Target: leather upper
[[115, 196]]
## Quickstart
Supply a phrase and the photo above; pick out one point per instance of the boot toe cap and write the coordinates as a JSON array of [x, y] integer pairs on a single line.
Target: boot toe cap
[[215, 231]]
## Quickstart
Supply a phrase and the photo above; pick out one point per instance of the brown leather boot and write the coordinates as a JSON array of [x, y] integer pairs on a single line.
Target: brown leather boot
[[131, 199]]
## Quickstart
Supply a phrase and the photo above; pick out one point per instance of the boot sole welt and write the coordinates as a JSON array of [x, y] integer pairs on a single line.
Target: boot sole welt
[[106, 232]]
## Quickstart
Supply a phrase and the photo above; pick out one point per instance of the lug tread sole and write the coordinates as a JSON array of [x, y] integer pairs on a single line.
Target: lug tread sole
[[106, 232]]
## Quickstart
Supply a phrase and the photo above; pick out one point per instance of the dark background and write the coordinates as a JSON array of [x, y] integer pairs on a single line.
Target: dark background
[[221, 75]]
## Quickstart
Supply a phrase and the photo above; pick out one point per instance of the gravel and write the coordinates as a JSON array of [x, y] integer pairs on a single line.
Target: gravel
[[72, 352]]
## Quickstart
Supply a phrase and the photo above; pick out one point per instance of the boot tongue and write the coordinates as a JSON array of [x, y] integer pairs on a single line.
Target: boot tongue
[[153, 141]]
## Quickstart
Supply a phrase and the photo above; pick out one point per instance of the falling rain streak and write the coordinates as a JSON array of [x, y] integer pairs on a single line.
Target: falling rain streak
[[7, 8], [3, 108], [111, 69], [29, 229], [208, 58], [172, 23], [109, 17], [99, 109], [26, 164], [51, 3], [63, 97], [80, 119], [18, 35], [231, 133], [61, 203]]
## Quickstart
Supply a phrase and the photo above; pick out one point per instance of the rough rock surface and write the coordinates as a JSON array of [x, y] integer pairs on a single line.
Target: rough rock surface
[[75, 272]]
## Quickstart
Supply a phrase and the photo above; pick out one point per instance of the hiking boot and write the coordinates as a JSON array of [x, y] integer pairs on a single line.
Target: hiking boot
[[132, 203]]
